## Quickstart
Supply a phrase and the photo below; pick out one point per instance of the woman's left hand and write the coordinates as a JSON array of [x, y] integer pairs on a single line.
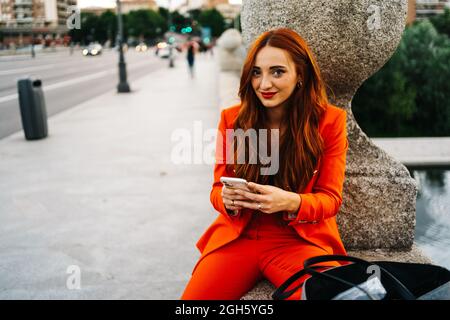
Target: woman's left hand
[[269, 199]]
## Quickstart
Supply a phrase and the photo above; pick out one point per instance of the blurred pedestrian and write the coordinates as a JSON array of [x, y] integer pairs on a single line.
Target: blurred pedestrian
[[190, 55]]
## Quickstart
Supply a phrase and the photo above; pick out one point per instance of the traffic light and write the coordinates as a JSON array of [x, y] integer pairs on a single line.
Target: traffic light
[[171, 39], [186, 30]]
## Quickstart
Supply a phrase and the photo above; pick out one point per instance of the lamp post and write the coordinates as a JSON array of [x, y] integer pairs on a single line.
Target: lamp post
[[170, 44], [123, 84]]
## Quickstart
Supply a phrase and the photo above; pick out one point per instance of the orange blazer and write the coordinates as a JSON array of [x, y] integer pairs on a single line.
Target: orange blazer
[[320, 200]]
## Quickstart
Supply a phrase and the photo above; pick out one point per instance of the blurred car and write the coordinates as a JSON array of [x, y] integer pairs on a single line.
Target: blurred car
[[163, 50], [92, 50], [141, 47]]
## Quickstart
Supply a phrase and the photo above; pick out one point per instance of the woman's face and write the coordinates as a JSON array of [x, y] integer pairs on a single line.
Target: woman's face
[[274, 77]]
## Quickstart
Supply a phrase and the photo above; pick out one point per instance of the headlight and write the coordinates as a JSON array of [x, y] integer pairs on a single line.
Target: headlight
[[94, 52], [85, 52], [162, 45], [144, 48]]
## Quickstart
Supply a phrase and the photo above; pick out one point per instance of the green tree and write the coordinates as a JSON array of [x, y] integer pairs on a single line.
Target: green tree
[[385, 101], [213, 19], [194, 14], [410, 95], [108, 27], [179, 21], [95, 28], [145, 24], [89, 27], [442, 22], [428, 67], [164, 13], [238, 18]]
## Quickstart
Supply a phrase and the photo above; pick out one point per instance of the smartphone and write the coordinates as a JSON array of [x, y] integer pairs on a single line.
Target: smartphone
[[235, 183]]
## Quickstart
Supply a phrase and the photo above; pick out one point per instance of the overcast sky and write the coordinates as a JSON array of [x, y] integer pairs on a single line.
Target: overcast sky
[[162, 3]]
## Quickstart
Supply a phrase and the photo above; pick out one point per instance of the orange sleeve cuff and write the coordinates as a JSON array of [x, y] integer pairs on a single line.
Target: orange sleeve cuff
[[303, 213]]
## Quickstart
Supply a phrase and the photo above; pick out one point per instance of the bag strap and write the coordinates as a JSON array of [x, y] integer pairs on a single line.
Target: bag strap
[[397, 285], [281, 294]]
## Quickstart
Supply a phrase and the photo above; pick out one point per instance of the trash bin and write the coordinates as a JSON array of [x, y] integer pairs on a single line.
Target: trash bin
[[32, 108]]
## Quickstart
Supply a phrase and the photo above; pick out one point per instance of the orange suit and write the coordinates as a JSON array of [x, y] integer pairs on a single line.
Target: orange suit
[[313, 227]]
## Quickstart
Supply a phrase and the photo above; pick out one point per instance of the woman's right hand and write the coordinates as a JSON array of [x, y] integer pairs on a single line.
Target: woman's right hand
[[228, 196]]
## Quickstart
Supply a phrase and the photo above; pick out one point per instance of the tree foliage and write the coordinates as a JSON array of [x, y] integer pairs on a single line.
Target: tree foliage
[[213, 19], [410, 95], [442, 22], [139, 24], [145, 25]]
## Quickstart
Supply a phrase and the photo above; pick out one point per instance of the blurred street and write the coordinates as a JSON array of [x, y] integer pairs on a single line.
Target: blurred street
[[102, 193], [68, 80], [110, 205]]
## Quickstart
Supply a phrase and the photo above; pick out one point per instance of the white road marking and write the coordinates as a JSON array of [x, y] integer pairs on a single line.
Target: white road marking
[[13, 71], [75, 81]]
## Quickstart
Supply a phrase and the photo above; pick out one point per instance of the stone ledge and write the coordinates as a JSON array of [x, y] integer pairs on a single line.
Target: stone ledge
[[264, 289]]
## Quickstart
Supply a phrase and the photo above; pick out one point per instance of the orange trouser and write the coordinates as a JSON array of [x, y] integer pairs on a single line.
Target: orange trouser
[[267, 248]]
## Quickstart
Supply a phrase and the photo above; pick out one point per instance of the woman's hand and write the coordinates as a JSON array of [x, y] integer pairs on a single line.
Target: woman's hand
[[229, 196], [268, 199]]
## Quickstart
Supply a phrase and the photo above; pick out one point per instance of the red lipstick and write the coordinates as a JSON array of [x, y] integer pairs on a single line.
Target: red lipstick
[[268, 95]]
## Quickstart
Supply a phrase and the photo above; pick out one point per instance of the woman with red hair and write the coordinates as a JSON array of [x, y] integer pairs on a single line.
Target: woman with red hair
[[287, 216]]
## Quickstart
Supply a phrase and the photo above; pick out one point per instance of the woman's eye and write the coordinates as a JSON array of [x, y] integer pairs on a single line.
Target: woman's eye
[[255, 73], [278, 73]]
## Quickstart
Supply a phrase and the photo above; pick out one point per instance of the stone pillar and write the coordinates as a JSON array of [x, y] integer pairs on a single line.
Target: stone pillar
[[351, 41], [231, 53]]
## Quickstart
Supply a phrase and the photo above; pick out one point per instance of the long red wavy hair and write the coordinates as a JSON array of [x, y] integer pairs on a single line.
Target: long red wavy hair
[[301, 146]]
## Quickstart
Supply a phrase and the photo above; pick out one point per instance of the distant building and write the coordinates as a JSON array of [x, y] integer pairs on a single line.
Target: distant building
[[209, 4], [428, 8], [187, 5], [132, 5], [6, 11], [126, 6], [421, 9], [229, 11], [97, 10], [411, 17], [34, 13], [21, 20]]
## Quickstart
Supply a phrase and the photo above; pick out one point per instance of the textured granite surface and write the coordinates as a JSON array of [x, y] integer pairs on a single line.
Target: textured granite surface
[[351, 41], [264, 289], [231, 51]]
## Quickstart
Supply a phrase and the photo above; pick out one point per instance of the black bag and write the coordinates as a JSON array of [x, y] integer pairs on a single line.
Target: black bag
[[395, 280]]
